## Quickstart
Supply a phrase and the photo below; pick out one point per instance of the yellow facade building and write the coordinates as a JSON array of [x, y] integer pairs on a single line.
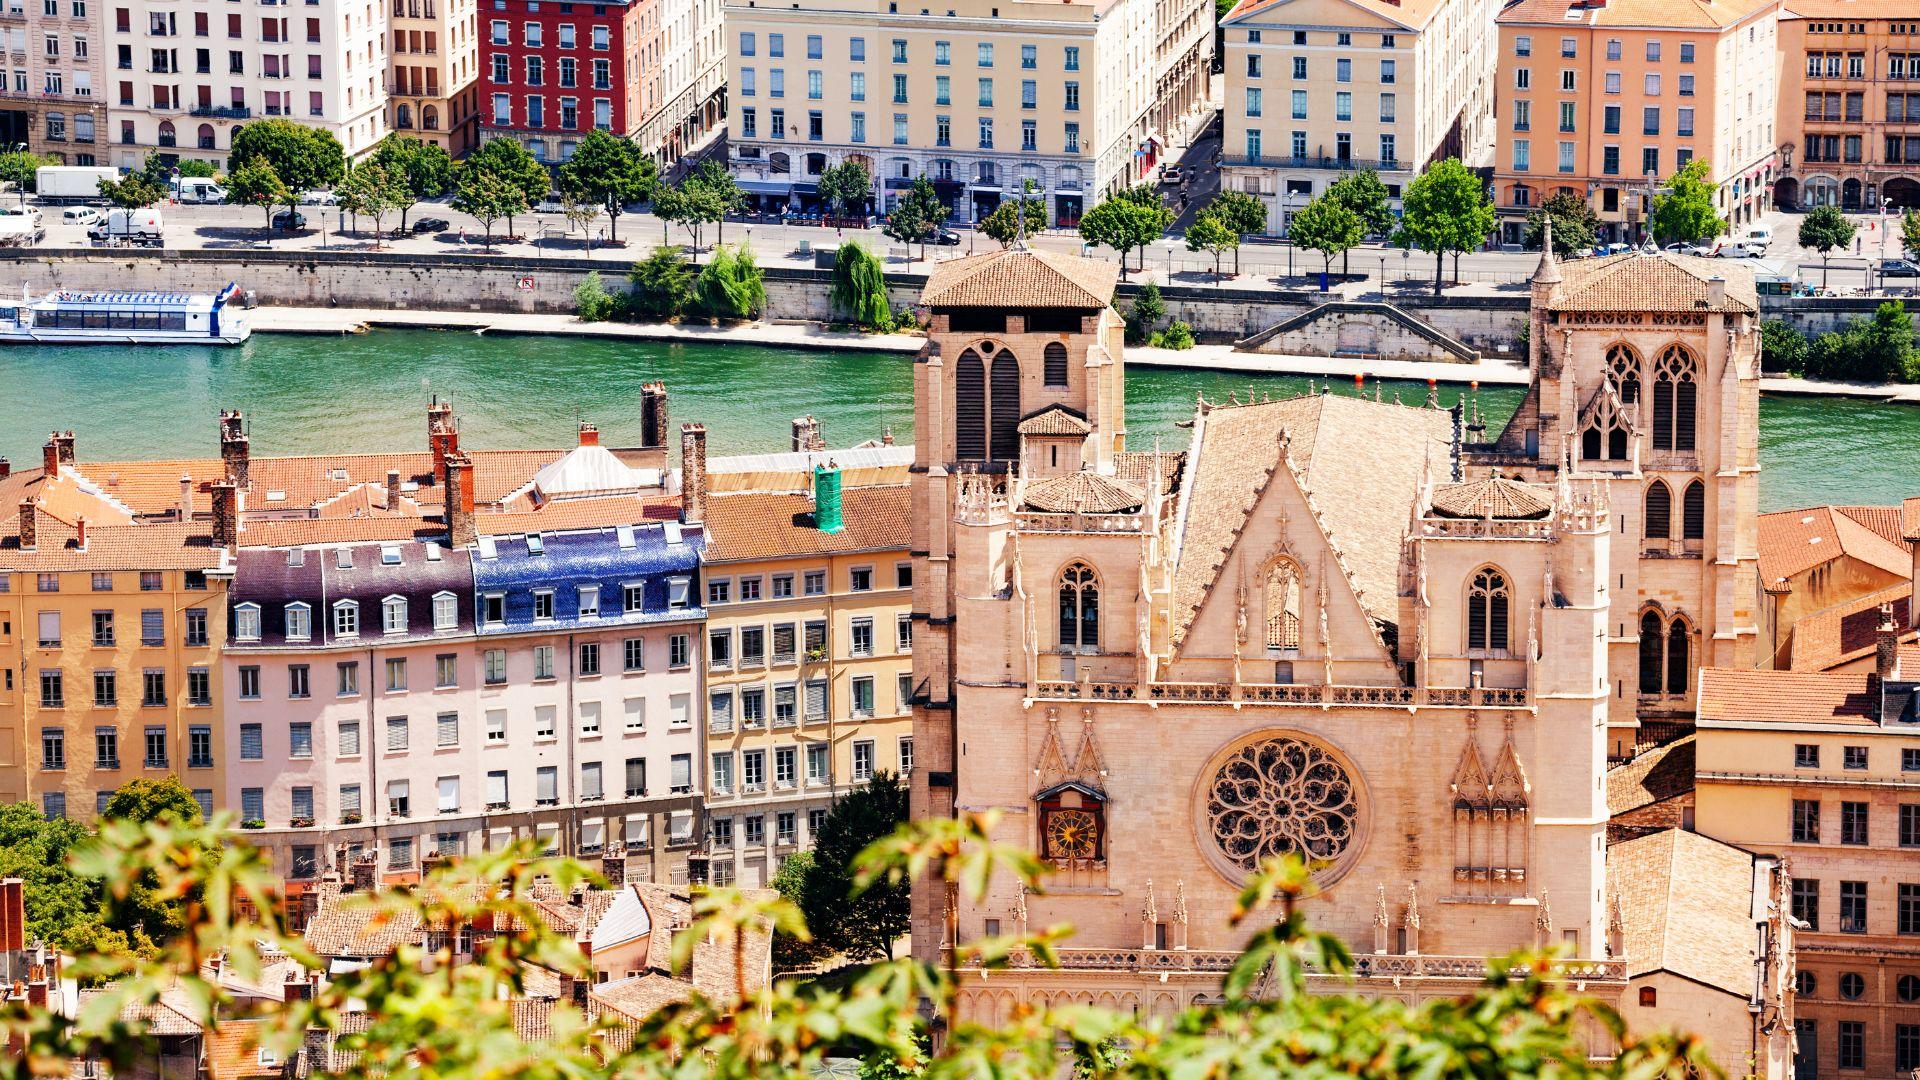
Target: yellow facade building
[[809, 662], [1849, 109]]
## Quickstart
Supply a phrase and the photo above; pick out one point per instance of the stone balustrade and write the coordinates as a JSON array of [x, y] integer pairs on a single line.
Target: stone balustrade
[[1213, 693]]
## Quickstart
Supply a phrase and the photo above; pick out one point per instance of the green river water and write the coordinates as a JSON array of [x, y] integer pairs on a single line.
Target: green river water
[[309, 395]]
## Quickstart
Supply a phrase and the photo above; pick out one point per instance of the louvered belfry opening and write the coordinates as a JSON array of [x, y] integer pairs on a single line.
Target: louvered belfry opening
[[970, 408], [1693, 514], [1056, 364], [1004, 420], [1659, 511]]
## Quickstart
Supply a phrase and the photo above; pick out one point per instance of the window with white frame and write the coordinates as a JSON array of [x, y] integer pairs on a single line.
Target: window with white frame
[[246, 622], [863, 760], [446, 611], [346, 618]]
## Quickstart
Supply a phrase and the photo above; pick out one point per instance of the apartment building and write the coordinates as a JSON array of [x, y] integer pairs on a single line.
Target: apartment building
[[809, 662], [1849, 105], [1822, 769], [49, 75], [1609, 100], [184, 79], [683, 78], [110, 622], [552, 72], [985, 98], [1317, 89], [436, 61]]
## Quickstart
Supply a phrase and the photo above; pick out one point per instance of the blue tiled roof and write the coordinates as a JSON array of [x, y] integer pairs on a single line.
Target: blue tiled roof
[[569, 560]]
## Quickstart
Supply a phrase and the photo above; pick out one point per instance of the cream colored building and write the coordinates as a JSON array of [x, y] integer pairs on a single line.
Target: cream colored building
[[435, 62], [1330, 626], [1609, 100], [1849, 115], [50, 95], [683, 77], [182, 78], [1319, 88], [1076, 98], [809, 661]]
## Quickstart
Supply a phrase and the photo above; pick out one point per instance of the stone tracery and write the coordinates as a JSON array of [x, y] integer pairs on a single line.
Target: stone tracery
[[1278, 796]]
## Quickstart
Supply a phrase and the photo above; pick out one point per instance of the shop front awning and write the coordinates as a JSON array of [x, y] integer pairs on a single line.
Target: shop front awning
[[765, 187]]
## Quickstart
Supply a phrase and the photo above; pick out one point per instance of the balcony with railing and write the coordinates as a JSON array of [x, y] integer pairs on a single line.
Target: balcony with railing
[[223, 112], [1322, 161]]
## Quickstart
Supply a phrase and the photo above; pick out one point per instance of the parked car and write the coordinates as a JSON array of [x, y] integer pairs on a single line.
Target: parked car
[[289, 221], [431, 225], [550, 205], [317, 197], [1582, 253], [945, 238], [1898, 268], [1170, 174], [80, 215], [1616, 248]]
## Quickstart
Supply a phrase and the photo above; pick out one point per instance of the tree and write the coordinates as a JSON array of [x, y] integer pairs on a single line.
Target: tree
[[1910, 233], [255, 183], [1444, 210], [865, 925], [1004, 227], [513, 166], [731, 285], [860, 287], [1783, 349], [691, 205], [845, 185], [22, 169], [1364, 194], [1575, 224], [610, 172], [1328, 227], [1823, 229], [580, 216], [484, 193], [662, 284], [423, 168], [371, 191], [1123, 225], [1685, 213], [591, 301], [1241, 212], [1147, 311], [790, 881], [302, 157], [917, 215], [1887, 344], [132, 191], [34, 848], [1209, 233], [146, 801], [721, 188]]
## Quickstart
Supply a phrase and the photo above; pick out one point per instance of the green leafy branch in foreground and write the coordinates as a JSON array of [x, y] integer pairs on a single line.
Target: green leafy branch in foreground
[[421, 1011]]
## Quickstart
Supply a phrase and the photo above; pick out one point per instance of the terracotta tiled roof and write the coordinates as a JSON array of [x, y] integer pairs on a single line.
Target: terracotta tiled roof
[[1847, 9], [1845, 632], [641, 996], [1022, 279], [233, 1051], [160, 546], [1686, 906], [1655, 776], [1651, 282], [1054, 420], [768, 525], [353, 927], [1794, 541], [1679, 14], [1495, 497], [172, 1014], [303, 532], [713, 963], [1138, 466], [1083, 493], [1412, 14], [1730, 695], [1910, 518], [1363, 460], [1884, 521]]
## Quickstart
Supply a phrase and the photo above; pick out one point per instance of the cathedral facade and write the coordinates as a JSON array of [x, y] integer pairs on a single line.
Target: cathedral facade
[[1332, 625]]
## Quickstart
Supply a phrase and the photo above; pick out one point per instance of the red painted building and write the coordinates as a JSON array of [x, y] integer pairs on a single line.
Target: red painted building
[[551, 72]]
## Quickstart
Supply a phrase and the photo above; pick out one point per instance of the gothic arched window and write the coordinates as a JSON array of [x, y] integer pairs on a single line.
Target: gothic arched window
[[1679, 670], [1283, 605], [970, 407], [1488, 600], [1005, 427], [1079, 607], [1659, 511], [1652, 651], [1623, 370], [1693, 512], [1674, 396], [1056, 364]]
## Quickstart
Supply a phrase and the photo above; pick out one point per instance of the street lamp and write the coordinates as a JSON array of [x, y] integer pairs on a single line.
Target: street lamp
[[1286, 230]]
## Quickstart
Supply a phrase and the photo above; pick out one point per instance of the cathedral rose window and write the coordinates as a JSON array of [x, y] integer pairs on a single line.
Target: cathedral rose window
[[1279, 795]]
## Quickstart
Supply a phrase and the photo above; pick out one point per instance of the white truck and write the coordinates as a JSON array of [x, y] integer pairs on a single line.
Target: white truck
[[20, 227], [138, 228], [198, 189], [73, 183]]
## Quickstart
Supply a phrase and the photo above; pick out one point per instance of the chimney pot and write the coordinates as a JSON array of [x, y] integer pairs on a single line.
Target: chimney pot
[[50, 457], [6, 468], [235, 451], [393, 489], [29, 525], [186, 497], [64, 440], [653, 416], [80, 533], [589, 434], [693, 473], [1886, 646], [461, 530], [226, 514]]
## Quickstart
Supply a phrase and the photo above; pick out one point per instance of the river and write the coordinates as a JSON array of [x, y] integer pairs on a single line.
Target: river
[[308, 395]]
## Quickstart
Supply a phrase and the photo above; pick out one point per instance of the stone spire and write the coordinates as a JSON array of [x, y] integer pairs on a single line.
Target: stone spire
[[1548, 272]]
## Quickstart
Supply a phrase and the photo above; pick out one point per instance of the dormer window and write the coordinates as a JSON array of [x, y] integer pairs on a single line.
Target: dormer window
[[487, 548], [589, 601], [346, 619], [246, 622], [297, 622], [677, 591], [536, 544], [343, 559], [393, 615], [543, 605], [390, 555], [446, 611]]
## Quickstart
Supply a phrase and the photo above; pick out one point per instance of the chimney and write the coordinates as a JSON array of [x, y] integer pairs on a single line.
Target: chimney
[[886, 436], [13, 915], [693, 473], [806, 435], [1716, 291], [459, 513], [613, 867], [226, 514], [64, 440], [1886, 646], [50, 457], [826, 499], [6, 468], [653, 416], [443, 438], [234, 449], [186, 497], [29, 525], [393, 489], [80, 533], [589, 435]]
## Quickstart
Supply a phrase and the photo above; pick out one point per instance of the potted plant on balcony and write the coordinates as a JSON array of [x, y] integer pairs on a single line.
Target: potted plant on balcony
[[350, 818], [302, 823], [253, 823]]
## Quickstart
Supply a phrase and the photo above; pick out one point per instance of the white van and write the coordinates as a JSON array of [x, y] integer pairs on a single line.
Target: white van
[[1758, 233], [140, 228], [199, 189]]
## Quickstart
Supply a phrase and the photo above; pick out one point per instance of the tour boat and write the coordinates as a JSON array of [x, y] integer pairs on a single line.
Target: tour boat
[[126, 318]]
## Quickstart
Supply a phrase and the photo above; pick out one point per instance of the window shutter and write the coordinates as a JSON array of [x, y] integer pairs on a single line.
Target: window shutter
[[1497, 621], [447, 726], [1663, 415], [1684, 395], [350, 799], [549, 786], [682, 771], [496, 788], [816, 700], [590, 780], [1693, 517], [449, 793], [396, 733], [300, 739], [250, 748], [970, 408], [1476, 622], [1006, 408], [349, 738], [1659, 512], [636, 776], [1056, 364]]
